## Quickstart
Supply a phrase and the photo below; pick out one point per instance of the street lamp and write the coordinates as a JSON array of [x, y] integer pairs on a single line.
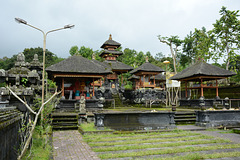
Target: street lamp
[[166, 62], [19, 20]]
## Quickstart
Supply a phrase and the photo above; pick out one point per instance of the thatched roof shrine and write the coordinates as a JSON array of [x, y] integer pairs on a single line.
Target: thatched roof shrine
[[147, 67], [159, 77], [204, 70], [78, 65]]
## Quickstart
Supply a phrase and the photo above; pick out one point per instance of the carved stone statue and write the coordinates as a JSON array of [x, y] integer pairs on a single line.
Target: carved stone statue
[[82, 107], [20, 60]]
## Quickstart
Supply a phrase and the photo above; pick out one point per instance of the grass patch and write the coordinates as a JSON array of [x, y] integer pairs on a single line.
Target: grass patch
[[197, 156], [39, 150], [166, 151], [143, 108], [120, 135], [141, 137], [174, 144], [88, 127], [91, 127], [150, 141]]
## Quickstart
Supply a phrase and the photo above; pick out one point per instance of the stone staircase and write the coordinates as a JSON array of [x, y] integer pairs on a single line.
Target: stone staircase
[[185, 118], [64, 121], [118, 102]]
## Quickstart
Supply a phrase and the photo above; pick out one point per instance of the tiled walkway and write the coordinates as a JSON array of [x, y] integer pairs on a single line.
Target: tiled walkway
[[69, 145]]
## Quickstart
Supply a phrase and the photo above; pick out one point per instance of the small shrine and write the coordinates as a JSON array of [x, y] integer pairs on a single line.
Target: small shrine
[[148, 84], [144, 75], [203, 76]]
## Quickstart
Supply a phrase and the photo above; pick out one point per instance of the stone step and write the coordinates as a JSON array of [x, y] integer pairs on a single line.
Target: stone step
[[65, 127], [184, 116], [65, 114], [65, 123], [185, 113], [185, 120], [65, 119]]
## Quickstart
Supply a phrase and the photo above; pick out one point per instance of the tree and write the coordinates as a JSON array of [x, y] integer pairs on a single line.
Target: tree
[[227, 34], [7, 63], [140, 59], [198, 45], [73, 50], [235, 65], [128, 57], [85, 52], [173, 42], [51, 58]]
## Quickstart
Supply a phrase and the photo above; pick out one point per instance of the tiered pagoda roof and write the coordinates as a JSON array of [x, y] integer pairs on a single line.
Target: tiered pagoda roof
[[111, 43], [110, 54]]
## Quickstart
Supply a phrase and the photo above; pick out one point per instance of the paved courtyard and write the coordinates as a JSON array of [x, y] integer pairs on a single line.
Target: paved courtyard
[[69, 145]]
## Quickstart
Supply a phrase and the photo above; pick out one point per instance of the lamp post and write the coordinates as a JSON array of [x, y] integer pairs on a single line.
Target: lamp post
[[19, 20], [166, 62]]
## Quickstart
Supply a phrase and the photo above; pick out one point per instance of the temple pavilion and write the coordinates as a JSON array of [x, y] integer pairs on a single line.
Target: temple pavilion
[[75, 74], [204, 76], [145, 75], [110, 55]]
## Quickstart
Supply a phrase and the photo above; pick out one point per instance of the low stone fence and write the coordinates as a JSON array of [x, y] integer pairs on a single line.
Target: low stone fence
[[135, 120], [223, 118], [9, 133]]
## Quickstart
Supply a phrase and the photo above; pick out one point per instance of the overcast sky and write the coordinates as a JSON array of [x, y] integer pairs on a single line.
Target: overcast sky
[[133, 23]]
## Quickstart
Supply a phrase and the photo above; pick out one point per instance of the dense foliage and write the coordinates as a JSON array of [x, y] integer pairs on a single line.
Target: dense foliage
[[51, 58]]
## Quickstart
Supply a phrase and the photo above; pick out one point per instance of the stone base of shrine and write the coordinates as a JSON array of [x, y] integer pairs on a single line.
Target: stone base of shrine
[[135, 120], [218, 119]]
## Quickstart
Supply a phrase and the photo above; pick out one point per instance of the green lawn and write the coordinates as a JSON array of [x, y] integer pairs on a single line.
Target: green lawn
[[170, 144]]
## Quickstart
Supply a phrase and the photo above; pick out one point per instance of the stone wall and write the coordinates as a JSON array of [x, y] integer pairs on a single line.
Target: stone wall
[[135, 120], [223, 118], [10, 119]]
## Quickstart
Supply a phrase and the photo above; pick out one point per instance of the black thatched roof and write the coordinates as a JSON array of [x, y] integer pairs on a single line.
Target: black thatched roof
[[133, 77], [116, 65], [114, 52], [148, 67], [159, 77], [78, 64], [202, 68], [110, 42]]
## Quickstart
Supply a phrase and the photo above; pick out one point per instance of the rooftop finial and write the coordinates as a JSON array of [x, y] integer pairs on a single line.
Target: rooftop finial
[[146, 58], [110, 37]]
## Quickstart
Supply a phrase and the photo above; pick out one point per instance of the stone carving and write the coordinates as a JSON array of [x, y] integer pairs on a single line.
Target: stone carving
[[99, 121], [20, 60], [82, 107]]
